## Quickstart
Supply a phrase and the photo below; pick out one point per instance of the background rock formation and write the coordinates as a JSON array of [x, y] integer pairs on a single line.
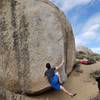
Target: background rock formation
[[85, 50], [32, 33]]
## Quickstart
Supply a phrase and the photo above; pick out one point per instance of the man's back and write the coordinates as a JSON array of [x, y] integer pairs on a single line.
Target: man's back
[[50, 73]]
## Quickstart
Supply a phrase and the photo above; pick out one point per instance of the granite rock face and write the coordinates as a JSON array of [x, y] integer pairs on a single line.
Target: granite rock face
[[32, 33]]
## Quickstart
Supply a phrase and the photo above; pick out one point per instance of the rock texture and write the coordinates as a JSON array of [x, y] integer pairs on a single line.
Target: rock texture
[[32, 33]]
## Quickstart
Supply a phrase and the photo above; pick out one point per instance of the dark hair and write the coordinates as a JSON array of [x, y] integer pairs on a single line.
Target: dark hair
[[48, 66]]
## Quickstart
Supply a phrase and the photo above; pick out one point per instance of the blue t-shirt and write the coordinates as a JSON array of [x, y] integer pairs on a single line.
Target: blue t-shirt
[[50, 73]]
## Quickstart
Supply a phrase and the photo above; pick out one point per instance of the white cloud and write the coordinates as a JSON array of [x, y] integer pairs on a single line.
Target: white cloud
[[80, 41], [97, 50], [94, 27], [89, 35], [69, 4], [93, 22], [90, 28], [89, 31]]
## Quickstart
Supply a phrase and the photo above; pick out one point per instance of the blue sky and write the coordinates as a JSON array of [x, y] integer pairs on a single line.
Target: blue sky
[[84, 16]]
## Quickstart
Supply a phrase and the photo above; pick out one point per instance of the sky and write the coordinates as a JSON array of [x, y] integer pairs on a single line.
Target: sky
[[84, 17]]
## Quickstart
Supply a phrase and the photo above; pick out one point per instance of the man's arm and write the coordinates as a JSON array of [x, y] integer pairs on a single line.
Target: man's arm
[[59, 66]]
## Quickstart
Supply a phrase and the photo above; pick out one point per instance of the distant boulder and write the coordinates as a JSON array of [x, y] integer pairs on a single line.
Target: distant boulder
[[84, 50]]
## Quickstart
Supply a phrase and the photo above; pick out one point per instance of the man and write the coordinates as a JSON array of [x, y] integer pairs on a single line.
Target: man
[[54, 78]]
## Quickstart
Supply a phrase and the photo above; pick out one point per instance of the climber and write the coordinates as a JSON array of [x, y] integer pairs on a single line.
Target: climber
[[54, 78]]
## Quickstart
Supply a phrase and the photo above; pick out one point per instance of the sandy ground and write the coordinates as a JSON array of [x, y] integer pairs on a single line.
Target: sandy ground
[[79, 83]]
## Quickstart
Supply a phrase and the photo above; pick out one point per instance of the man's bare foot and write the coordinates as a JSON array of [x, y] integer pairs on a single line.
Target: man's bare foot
[[73, 95]]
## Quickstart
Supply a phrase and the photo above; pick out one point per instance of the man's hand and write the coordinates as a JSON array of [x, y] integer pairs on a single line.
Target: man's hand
[[59, 66], [62, 62]]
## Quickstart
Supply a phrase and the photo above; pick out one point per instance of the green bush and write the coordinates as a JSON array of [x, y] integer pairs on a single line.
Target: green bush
[[90, 57], [95, 74]]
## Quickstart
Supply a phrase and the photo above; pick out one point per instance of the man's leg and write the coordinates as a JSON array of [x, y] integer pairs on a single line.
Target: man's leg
[[64, 90], [67, 92], [59, 76]]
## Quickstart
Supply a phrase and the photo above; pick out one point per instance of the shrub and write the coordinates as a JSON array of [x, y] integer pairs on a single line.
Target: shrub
[[77, 66], [95, 74]]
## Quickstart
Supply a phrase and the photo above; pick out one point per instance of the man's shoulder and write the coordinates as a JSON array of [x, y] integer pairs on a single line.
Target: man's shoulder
[[48, 70], [53, 68]]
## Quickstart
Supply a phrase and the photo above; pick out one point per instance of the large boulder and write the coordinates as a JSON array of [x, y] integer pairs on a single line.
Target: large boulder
[[32, 33]]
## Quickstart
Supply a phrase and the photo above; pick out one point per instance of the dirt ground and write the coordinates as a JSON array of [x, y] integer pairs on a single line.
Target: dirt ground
[[79, 83]]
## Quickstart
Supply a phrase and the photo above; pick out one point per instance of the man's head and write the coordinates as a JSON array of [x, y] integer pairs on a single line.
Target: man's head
[[48, 66]]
